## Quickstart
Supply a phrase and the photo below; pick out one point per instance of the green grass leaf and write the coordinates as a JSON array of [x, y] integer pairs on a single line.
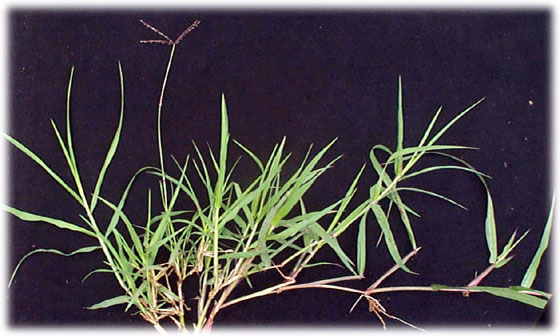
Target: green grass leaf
[[361, 252], [304, 181], [434, 168], [400, 130], [251, 154], [424, 149], [68, 128], [333, 243], [509, 293], [453, 121], [404, 217], [239, 255], [389, 239], [490, 229], [264, 232], [115, 218], [513, 295], [128, 224], [351, 218], [429, 128], [502, 262], [224, 138], [335, 223], [431, 193], [43, 165], [111, 302], [78, 251], [531, 272], [112, 148], [303, 222], [508, 248], [71, 164], [27, 216]]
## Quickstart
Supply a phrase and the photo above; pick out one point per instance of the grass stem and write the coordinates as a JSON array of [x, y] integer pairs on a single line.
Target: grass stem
[[160, 145]]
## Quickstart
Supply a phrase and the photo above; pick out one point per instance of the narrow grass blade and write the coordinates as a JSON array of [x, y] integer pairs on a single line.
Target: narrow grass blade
[[239, 203], [353, 216], [202, 172], [148, 219], [377, 165], [404, 217], [264, 231], [290, 243], [431, 193], [510, 246], [130, 228], [304, 181], [509, 293], [400, 130], [303, 222], [129, 260], [361, 246], [502, 262], [68, 128], [490, 229], [71, 165], [531, 272], [81, 250], [112, 149], [111, 302], [387, 214], [43, 165], [453, 121], [433, 168], [26, 216], [347, 198], [389, 239], [165, 222], [251, 154], [219, 189], [124, 196], [99, 270], [419, 154], [429, 128], [333, 243], [239, 255], [156, 245], [424, 149], [513, 295], [213, 158]]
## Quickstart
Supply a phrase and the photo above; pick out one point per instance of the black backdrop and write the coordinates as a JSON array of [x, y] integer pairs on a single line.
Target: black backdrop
[[309, 75]]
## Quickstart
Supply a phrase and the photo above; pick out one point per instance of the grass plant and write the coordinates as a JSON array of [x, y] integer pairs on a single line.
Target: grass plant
[[233, 232]]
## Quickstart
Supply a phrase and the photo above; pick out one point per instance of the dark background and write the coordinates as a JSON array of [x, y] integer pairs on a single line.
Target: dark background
[[309, 75]]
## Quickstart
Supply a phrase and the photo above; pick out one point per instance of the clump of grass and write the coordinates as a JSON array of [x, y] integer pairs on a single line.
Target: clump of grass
[[233, 232]]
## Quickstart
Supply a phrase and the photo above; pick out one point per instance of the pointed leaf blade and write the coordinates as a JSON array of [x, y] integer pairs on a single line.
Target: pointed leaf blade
[[78, 251], [111, 302], [27, 216], [389, 239], [490, 229], [531, 272], [112, 148]]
